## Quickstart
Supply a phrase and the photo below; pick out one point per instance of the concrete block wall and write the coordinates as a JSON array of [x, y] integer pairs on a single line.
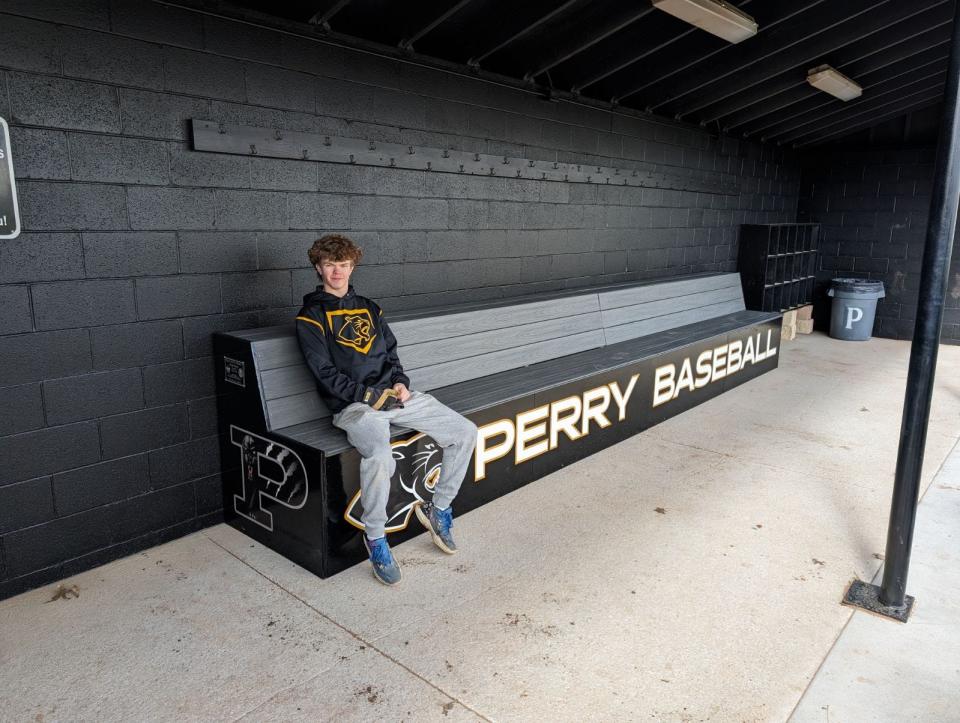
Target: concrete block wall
[[136, 248], [873, 207]]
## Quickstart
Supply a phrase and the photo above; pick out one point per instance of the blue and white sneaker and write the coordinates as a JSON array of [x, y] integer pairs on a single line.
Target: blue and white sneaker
[[439, 523], [385, 568]]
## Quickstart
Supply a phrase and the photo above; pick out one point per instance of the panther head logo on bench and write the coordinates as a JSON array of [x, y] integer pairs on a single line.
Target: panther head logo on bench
[[416, 475]]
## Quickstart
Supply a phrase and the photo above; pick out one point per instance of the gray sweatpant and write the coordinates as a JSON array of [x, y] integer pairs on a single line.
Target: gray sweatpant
[[369, 432]]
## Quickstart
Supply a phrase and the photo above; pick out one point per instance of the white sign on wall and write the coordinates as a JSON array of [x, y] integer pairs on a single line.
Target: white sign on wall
[[9, 210]]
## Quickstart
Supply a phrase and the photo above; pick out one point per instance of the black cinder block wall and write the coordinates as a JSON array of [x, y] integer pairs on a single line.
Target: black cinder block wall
[[871, 194], [136, 248]]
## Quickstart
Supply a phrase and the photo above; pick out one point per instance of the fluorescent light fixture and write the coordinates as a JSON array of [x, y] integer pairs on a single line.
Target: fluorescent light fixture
[[715, 16], [832, 81]]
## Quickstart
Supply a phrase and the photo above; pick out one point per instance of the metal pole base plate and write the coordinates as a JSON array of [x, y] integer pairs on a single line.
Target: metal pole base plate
[[865, 596]]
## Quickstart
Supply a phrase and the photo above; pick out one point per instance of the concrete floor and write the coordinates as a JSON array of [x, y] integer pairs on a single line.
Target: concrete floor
[[882, 671], [691, 573]]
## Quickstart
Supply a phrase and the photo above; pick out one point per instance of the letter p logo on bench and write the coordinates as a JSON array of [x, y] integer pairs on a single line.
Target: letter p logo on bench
[[269, 471]]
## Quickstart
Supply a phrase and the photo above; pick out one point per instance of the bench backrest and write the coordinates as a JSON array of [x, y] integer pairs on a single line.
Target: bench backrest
[[453, 346]]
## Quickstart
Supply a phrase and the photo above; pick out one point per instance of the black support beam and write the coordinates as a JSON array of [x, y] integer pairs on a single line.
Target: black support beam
[[934, 276], [890, 598]]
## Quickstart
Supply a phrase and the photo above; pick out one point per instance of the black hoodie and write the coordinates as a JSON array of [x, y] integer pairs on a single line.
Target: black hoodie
[[348, 346]]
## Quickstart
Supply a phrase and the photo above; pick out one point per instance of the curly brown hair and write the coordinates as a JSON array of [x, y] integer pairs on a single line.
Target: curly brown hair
[[335, 247]]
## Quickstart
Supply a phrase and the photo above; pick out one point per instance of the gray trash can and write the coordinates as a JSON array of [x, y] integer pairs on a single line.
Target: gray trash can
[[854, 308]]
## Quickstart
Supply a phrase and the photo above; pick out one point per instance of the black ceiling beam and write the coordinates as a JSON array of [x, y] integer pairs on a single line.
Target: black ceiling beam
[[631, 58], [911, 107], [301, 29], [798, 92], [776, 50], [626, 53], [919, 32], [864, 112], [524, 31], [323, 17], [695, 49], [611, 23], [882, 81], [819, 34], [855, 60], [407, 43], [896, 89]]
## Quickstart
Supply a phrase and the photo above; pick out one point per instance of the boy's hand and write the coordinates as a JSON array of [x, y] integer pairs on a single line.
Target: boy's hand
[[402, 390], [381, 399]]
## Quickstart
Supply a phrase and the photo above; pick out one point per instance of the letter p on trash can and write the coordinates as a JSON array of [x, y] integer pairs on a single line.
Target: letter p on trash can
[[854, 308]]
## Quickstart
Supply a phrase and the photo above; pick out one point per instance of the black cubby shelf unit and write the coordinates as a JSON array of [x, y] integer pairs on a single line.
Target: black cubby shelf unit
[[777, 263]]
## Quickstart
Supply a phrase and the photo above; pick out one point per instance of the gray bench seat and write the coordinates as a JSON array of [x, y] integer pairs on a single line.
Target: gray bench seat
[[460, 352], [594, 365], [483, 392]]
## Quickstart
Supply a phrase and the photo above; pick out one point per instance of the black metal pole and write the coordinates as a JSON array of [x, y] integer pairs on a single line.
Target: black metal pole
[[926, 340]]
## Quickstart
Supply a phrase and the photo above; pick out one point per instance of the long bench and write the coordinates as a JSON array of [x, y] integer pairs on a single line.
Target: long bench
[[548, 380]]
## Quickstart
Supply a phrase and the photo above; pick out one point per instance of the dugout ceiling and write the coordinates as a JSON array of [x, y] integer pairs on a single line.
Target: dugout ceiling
[[629, 54]]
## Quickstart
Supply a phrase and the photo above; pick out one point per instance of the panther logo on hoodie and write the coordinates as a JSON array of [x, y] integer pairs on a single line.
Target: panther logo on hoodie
[[352, 328]]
